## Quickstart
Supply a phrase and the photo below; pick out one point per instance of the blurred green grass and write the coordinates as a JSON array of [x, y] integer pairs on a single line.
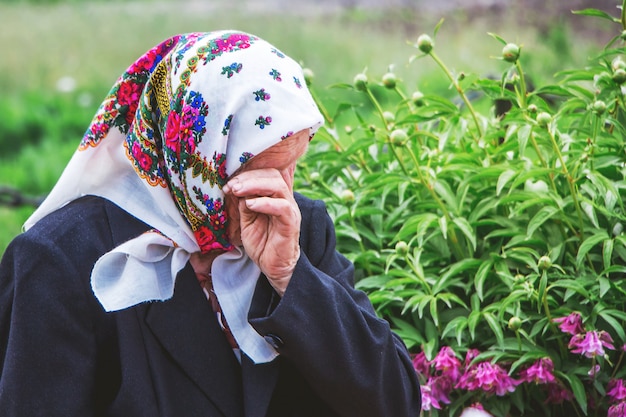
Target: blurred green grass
[[90, 43]]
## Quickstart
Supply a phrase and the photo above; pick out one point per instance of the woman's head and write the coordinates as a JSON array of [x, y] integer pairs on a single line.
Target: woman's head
[[195, 109]]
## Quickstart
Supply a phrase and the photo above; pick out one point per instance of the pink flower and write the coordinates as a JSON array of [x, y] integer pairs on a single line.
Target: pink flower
[[489, 377], [421, 364], [571, 324], [447, 363], [591, 343], [428, 402], [594, 370], [557, 394], [616, 390], [540, 372], [441, 387], [470, 355], [617, 410]]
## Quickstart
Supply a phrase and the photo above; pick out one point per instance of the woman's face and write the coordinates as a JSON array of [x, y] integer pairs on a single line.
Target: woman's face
[[282, 157]]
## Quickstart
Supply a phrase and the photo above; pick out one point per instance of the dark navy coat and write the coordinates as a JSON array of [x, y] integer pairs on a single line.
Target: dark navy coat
[[61, 354]]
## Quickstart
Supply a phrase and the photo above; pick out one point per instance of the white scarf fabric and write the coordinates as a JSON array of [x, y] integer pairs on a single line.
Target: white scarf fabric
[[174, 127]]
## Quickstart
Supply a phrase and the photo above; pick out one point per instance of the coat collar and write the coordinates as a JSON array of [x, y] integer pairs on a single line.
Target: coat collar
[[187, 328]]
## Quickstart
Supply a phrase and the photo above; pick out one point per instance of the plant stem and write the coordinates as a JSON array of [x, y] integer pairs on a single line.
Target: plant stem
[[553, 327], [322, 108], [570, 183], [453, 237], [460, 91], [376, 104], [522, 81]]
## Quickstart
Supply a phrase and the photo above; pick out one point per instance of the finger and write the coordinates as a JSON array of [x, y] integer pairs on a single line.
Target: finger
[[275, 207], [266, 182]]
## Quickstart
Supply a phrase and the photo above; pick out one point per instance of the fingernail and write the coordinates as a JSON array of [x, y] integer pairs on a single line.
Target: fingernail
[[250, 202]]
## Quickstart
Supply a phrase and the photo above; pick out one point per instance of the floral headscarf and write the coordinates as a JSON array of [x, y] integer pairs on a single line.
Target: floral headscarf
[[176, 124], [194, 109]]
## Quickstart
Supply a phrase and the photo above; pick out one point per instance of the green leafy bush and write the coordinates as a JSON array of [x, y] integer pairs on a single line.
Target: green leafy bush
[[489, 228]]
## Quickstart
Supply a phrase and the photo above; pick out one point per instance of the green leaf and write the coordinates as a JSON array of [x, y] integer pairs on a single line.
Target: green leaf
[[433, 311], [495, 327], [464, 265], [467, 230], [443, 225], [522, 136], [572, 285], [503, 179], [497, 37], [616, 325], [444, 191], [577, 388], [589, 243], [590, 212], [481, 277], [596, 13], [528, 357], [540, 218], [472, 321], [607, 252], [438, 26], [456, 326], [407, 332], [541, 291]]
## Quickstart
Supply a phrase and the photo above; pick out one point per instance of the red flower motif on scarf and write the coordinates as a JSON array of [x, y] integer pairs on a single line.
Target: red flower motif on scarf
[[186, 129], [171, 131], [145, 63], [205, 238], [144, 160], [128, 95]]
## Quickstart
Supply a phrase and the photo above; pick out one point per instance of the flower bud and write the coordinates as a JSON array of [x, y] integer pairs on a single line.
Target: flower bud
[[510, 52], [418, 98], [623, 35], [515, 323], [619, 76], [544, 263], [618, 63], [398, 137], [402, 248], [360, 82], [544, 119], [389, 117], [308, 76], [532, 108], [599, 107], [425, 43], [347, 196], [390, 80], [315, 177]]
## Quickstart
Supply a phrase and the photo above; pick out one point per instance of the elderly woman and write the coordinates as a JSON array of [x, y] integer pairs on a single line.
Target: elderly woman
[[172, 271]]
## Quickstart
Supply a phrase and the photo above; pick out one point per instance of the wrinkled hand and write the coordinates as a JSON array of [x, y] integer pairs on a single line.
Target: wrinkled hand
[[269, 221]]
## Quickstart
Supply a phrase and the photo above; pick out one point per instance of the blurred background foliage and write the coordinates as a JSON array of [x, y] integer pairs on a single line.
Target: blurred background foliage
[[59, 58]]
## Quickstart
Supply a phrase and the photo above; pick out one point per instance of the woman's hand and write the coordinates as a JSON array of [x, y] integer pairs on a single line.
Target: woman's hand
[[268, 219]]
